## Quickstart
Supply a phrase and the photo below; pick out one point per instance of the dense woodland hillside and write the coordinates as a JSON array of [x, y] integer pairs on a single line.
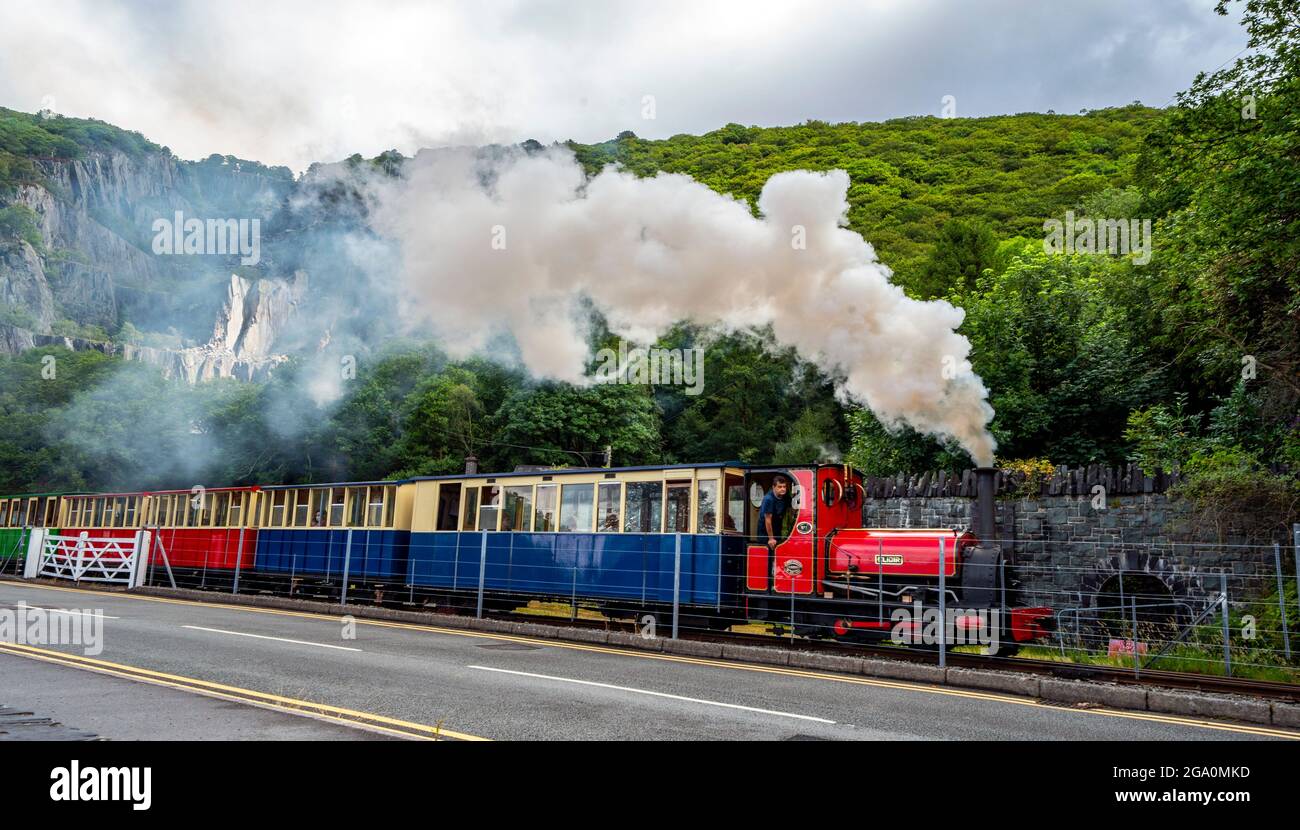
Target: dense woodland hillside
[[1190, 359], [913, 176]]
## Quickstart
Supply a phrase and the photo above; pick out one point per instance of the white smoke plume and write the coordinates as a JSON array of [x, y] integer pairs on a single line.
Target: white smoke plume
[[516, 241]]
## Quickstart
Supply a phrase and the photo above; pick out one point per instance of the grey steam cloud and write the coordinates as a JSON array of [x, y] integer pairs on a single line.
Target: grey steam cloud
[[519, 242]]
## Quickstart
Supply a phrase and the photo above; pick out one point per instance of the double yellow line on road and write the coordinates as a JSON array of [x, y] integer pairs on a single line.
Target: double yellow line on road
[[320, 711]]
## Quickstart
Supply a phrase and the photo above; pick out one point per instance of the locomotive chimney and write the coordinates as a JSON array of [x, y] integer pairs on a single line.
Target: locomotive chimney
[[471, 465], [986, 482]]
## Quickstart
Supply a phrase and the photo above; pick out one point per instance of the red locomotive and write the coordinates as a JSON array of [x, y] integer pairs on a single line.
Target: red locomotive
[[830, 577]]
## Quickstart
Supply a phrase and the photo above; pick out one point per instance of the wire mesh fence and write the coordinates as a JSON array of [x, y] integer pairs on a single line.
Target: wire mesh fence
[[1206, 608]]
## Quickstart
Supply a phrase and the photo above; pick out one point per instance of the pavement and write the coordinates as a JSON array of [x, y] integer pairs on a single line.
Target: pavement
[[174, 669]]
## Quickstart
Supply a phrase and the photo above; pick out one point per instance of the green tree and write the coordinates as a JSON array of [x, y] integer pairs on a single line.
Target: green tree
[[1221, 170], [963, 251], [554, 423]]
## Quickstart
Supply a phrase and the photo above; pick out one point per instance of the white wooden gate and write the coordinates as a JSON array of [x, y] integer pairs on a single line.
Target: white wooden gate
[[120, 561]]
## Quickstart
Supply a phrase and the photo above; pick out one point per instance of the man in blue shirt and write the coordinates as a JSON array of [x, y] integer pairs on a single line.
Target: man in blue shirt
[[771, 513]]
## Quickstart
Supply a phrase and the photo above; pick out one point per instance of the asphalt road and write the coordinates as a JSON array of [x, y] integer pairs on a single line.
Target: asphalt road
[[179, 670]]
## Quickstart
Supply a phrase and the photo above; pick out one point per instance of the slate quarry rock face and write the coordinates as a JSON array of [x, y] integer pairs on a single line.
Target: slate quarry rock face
[[23, 285], [96, 265]]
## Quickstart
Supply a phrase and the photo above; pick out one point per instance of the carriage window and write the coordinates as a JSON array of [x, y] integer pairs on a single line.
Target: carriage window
[[277, 508], [319, 501], [706, 519], [471, 509], [375, 508], [519, 508], [448, 506], [356, 506], [337, 496], [735, 504], [544, 517], [644, 506], [607, 518], [301, 507], [576, 508], [20, 511], [51, 512], [390, 504], [237, 507], [221, 511], [677, 516], [488, 506], [99, 513], [131, 509]]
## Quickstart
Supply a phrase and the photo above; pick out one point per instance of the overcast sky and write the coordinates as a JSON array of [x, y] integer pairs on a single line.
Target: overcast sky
[[291, 83]]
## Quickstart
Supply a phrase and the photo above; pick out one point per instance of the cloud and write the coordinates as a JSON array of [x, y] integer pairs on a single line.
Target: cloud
[[296, 82]]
